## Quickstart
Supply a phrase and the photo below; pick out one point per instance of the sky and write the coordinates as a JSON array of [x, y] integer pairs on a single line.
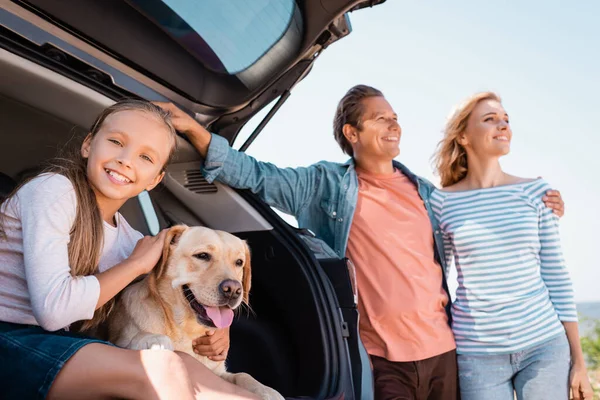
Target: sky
[[541, 57]]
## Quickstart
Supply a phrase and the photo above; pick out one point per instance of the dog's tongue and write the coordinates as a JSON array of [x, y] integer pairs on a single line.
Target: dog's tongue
[[222, 317]]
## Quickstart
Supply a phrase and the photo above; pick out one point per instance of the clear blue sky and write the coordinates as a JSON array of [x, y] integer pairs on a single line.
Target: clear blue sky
[[542, 57]]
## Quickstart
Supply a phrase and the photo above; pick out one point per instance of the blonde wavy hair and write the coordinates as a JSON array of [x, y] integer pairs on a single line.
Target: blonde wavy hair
[[450, 159]]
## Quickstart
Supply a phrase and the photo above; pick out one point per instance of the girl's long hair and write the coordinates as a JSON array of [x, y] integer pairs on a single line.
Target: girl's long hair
[[450, 159], [87, 232]]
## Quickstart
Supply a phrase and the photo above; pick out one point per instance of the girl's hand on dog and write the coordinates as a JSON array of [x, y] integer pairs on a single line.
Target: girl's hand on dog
[[147, 252], [215, 345]]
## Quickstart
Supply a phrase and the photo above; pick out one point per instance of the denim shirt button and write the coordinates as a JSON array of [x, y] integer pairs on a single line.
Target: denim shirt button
[[334, 213], [340, 219], [437, 232]]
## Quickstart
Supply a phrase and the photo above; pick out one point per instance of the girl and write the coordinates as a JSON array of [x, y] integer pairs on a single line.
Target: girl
[[514, 318], [66, 252]]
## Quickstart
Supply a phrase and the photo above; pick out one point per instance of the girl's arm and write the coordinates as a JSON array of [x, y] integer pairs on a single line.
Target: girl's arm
[[47, 209], [144, 257]]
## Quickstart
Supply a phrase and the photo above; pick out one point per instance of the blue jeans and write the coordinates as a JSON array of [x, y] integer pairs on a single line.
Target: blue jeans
[[537, 373], [31, 358]]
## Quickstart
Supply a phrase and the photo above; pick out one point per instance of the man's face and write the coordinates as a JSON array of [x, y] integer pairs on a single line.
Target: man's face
[[379, 135]]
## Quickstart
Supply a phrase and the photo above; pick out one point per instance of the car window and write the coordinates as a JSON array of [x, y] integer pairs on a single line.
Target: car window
[[227, 36], [149, 212]]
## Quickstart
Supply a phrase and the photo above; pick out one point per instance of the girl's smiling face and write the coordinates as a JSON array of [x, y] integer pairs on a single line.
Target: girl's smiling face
[[126, 156]]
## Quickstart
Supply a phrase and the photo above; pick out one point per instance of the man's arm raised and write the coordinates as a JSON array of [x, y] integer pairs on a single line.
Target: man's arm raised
[[198, 136], [288, 189]]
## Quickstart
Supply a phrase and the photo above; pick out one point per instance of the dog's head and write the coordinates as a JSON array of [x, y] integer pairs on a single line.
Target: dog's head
[[209, 269]]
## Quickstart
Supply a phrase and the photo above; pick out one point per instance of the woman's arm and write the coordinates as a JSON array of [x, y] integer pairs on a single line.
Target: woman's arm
[[578, 379], [558, 282], [553, 268]]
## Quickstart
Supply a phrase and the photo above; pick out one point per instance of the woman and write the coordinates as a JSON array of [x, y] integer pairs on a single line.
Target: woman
[[514, 318]]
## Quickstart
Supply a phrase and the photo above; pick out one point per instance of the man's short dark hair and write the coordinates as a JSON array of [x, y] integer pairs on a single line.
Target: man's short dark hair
[[350, 110]]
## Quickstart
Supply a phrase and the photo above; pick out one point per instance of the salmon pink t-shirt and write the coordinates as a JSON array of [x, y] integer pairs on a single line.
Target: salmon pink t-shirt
[[400, 296]]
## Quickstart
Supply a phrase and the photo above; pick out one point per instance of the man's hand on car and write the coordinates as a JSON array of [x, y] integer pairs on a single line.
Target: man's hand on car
[[187, 125]]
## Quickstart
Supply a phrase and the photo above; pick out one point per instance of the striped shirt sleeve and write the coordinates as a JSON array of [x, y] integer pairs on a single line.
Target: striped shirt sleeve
[[552, 264]]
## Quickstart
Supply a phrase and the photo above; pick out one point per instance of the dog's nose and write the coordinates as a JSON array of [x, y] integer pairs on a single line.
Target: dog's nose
[[231, 289]]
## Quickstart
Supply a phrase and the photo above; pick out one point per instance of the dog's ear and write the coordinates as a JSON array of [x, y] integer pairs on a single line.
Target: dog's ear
[[173, 236], [247, 279]]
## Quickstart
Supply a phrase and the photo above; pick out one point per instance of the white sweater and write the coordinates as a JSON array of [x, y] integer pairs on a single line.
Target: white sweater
[[36, 286]]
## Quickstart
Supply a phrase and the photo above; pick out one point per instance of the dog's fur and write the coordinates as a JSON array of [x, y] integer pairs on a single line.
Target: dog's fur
[[155, 314]]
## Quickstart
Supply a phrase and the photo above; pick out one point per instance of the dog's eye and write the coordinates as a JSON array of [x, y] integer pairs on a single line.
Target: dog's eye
[[239, 263], [203, 256]]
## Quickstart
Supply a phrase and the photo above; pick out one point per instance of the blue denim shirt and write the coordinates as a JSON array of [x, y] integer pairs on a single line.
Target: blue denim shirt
[[321, 196]]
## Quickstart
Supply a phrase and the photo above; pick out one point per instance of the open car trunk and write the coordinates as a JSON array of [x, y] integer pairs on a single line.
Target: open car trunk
[[222, 61], [60, 69], [293, 337]]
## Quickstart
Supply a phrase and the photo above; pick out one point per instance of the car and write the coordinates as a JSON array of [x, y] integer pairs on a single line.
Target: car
[[62, 62]]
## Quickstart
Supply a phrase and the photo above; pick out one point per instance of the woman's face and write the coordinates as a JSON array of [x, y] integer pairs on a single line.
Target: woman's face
[[488, 132]]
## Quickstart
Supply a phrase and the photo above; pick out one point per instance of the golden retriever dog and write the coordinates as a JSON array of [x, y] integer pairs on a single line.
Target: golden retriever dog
[[202, 277]]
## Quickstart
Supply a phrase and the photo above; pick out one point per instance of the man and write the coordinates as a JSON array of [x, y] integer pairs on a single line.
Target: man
[[376, 212]]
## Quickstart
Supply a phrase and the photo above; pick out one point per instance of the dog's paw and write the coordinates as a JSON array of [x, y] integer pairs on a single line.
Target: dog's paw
[[152, 342], [266, 393], [252, 385]]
